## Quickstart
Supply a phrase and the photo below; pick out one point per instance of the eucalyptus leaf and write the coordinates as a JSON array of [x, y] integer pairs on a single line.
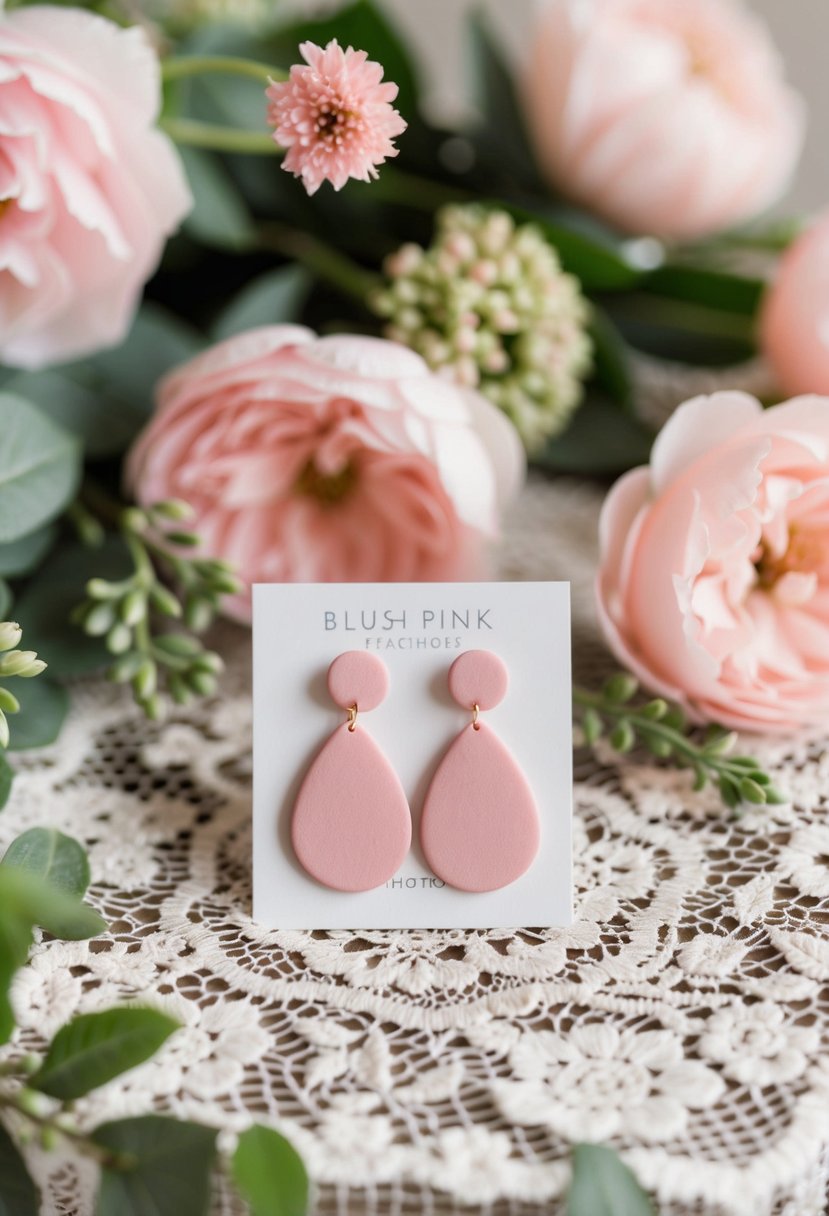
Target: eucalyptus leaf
[[94, 1048], [32, 901], [592, 253], [220, 215], [169, 1167], [71, 397], [129, 374], [272, 299], [40, 467], [715, 289], [269, 1174], [18, 1194], [603, 1185], [20, 557], [50, 597], [43, 709], [52, 856], [6, 779], [611, 358]]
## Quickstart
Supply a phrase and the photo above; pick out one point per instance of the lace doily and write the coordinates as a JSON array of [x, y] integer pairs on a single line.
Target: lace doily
[[684, 1017]]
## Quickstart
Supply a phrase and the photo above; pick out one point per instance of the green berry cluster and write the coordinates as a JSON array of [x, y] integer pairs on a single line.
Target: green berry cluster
[[23, 664], [663, 730], [489, 305], [125, 613]]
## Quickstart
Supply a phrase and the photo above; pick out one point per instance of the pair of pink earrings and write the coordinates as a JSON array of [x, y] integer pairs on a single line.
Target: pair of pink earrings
[[352, 826]]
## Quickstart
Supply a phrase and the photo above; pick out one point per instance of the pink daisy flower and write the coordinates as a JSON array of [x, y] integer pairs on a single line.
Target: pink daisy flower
[[334, 116]]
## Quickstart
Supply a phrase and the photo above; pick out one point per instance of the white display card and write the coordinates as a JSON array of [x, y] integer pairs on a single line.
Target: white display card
[[418, 629]]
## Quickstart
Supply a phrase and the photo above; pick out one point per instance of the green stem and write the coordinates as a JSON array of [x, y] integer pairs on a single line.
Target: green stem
[[411, 190], [194, 134], [181, 67], [322, 259], [49, 1123], [689, 317], [679, 742]]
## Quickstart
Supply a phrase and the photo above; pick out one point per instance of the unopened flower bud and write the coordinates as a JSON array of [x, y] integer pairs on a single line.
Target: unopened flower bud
[[10, 635]]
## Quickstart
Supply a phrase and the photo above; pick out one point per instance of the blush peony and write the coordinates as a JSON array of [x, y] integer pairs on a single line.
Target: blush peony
[[714, 579], [338, 459], [667, 117], [794, 325], [89, 190]]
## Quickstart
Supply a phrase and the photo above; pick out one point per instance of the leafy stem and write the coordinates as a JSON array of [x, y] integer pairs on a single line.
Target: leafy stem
[[195, 134], [54, 1126], [180, 67], [662, 729]]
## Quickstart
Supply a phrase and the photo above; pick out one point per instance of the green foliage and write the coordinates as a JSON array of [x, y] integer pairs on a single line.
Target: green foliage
[[6, 780], [43, 709], [501, 136], [94, 1048], [603, 1185], [269, 1174], [161, 1167], [21, 556], [49, 598], [662, 729], [71, 397], [53, 857], [220, 216], [271, 299], [39, 468], [603, 439], [18, 1194]]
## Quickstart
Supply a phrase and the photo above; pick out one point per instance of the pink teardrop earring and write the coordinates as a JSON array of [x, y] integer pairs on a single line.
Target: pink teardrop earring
[[480, 828], [351, 825]]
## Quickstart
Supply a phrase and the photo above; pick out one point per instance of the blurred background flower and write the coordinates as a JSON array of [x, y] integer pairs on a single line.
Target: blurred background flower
[[490, 307], [665, 117], [329, 460], [795, 316]]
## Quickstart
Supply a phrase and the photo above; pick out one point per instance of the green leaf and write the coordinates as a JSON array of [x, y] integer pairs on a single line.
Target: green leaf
[[39, 468], [611, 359], [586, 249], [15, 943], [6, 599], [6, 779], [70, 397], [43, 709], [24, 555], [57, 859], [18, 1194], [269, 1174], [129, 374], [220, 217], [715, 289], [49, 599], [170, 1167], [94, 1048], [34, 902], [502, 137], [604, 1186], [271, 299], [601, 440]]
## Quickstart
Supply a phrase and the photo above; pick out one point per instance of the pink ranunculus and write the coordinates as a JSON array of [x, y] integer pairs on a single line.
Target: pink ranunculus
[[667, 117], [714, 579], [337, 459], [89, 189], [794, 323]]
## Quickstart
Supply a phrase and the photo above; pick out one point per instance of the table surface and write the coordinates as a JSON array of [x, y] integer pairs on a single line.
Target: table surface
[[683, 1018]]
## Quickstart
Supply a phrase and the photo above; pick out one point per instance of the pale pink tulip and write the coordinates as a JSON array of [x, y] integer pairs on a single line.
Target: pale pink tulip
[[335, 117], [794, 325], [667, 117], [89, 189], [338, 459], [714, 578]]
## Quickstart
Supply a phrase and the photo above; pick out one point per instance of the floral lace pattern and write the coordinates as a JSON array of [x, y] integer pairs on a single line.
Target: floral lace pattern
[[683, 1018]]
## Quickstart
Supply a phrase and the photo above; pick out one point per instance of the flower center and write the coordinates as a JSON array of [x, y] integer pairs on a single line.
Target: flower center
[[5, 203], [327, 488]]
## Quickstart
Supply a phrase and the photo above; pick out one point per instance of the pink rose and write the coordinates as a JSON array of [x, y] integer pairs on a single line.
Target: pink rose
[[89, 190], [714, 579], [794, 325], [667, 117], [329, 460]]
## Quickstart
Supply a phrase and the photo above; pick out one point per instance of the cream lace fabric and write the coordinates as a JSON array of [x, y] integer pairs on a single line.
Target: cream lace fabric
[[684, 1018]]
